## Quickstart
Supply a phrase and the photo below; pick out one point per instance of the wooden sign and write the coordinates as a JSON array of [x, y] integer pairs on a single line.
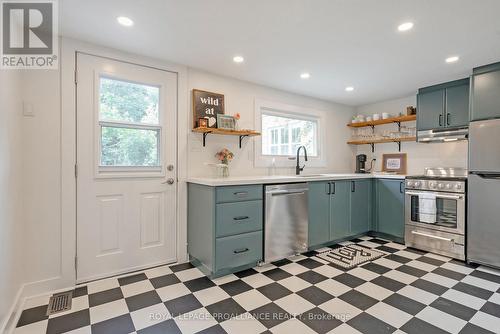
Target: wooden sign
[[395, 163], [207, 105]]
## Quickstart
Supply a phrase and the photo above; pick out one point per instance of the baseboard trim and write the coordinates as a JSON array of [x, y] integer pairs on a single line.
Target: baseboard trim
[[9, 323]]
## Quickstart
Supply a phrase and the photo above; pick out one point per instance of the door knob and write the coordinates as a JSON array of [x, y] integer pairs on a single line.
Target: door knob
[[170, 168], [169, 181]]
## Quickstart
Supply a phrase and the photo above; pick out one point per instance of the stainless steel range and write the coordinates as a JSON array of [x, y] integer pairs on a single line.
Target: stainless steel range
[[435, 211]]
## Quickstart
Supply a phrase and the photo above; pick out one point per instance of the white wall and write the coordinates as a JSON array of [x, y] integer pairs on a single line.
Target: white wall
[[12, 239], [240, 98], [42, 174], [420, 155]]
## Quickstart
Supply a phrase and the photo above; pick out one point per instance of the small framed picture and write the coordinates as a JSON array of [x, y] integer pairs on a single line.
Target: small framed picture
[[395, 163], [225, 122], [202, 123]]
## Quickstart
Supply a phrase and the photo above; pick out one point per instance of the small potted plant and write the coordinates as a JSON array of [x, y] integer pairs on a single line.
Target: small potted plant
[[224, 156]]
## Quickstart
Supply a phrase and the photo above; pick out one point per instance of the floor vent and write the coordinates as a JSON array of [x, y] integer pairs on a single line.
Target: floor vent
[[60, 302]]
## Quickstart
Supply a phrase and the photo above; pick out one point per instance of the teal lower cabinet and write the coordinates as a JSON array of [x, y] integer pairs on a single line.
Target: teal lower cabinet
[[340, 223], [319, 213], [389, 208], [338, 210], [361, 205], [225, 228]]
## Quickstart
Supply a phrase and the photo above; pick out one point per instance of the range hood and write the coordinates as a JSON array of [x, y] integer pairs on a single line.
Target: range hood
[[440, 136]]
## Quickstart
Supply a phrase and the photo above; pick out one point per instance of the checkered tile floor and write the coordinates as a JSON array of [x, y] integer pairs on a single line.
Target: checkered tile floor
[[406, 291]]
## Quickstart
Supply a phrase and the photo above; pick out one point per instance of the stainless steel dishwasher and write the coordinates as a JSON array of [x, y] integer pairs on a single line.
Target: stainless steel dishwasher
[[286, 221]]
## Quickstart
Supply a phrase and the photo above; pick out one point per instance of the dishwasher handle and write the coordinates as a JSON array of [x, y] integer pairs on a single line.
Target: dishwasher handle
[[287, 192]]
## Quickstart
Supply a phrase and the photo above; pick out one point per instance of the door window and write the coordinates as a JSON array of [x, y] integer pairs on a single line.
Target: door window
[[129, 123]]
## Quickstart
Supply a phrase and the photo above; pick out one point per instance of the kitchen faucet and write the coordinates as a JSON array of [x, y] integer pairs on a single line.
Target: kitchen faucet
[[299, 169]]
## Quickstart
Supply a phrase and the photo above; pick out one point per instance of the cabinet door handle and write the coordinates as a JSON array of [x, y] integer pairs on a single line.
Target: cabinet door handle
[[328, 188], [239, 251], [441, 120], [353, 186], [448, 119], [401, 187], [240, 218], [333, 187], [240, 194]]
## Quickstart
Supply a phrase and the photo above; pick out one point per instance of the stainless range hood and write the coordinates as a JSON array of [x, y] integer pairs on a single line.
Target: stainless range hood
[[440, 136]]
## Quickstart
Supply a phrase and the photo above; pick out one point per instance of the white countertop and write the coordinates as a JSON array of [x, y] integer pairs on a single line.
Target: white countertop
[[241, 180]]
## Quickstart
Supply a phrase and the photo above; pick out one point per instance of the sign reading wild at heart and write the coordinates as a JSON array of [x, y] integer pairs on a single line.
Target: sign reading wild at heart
[[207, 105]]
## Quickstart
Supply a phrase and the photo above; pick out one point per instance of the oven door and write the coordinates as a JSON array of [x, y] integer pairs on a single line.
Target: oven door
[[435, 210]]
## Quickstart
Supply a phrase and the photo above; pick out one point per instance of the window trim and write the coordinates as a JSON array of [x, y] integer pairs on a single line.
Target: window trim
[[107, 172], [287, 110]]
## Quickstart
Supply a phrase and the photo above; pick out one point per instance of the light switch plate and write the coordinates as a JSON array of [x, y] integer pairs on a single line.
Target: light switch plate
[[28, 109]]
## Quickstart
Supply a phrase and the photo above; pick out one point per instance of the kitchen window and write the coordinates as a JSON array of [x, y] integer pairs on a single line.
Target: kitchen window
[[284, 129], [129, 125]]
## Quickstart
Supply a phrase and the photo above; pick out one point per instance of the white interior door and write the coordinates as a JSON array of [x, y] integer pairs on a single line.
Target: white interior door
[[126, 167]]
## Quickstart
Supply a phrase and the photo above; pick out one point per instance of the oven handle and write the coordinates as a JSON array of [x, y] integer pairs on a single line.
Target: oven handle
[[431, 236], [437, 195]]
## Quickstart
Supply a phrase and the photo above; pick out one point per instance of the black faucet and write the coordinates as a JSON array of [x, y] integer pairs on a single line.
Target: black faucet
[[299, 169]]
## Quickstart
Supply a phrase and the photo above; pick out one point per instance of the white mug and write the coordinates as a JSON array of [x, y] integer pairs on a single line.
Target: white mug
[[376, 117]]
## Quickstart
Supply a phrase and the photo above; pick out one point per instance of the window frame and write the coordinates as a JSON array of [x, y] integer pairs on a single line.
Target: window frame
[[289, 111], [102, 171]]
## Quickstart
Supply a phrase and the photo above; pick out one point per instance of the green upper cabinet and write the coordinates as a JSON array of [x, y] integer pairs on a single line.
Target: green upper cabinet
[[485, 92], [430, 109], [319, 213], [457, 105], [389, 203], [443, 106], [360, 206], [340, 210]]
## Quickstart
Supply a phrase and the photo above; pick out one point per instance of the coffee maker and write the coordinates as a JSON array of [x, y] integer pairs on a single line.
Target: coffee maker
[[361, 163]]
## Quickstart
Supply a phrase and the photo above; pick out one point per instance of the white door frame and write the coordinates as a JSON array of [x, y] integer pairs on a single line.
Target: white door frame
[[69, 49]]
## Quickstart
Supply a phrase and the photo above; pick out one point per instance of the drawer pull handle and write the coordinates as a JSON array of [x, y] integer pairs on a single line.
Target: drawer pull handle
[[241, 218], [239, 251], [241, 193], [431, 236]]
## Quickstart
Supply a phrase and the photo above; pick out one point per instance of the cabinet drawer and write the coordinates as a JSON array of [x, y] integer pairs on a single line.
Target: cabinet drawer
[[238, 193], [238, 250], [236, 218]]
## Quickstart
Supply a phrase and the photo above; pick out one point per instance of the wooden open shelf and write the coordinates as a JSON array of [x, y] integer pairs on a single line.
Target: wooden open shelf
[[240, 133], [382, 141], [398, 120]]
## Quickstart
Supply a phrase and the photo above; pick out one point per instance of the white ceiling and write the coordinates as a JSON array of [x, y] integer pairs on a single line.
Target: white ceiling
[[340, 42]]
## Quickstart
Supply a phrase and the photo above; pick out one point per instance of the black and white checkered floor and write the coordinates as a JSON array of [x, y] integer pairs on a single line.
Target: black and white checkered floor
[[406, 291]]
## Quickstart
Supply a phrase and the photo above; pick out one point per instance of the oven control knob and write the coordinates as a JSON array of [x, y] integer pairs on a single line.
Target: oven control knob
[[418, 184], [432, 184], [449, 186], [458, 186], [440, 185], [409, 183]]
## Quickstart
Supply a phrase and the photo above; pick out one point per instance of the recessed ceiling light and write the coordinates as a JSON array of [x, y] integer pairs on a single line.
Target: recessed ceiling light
[[125, 21], [349, 89], [452, 59], [238, 59], [305, 75], [405, 26]]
